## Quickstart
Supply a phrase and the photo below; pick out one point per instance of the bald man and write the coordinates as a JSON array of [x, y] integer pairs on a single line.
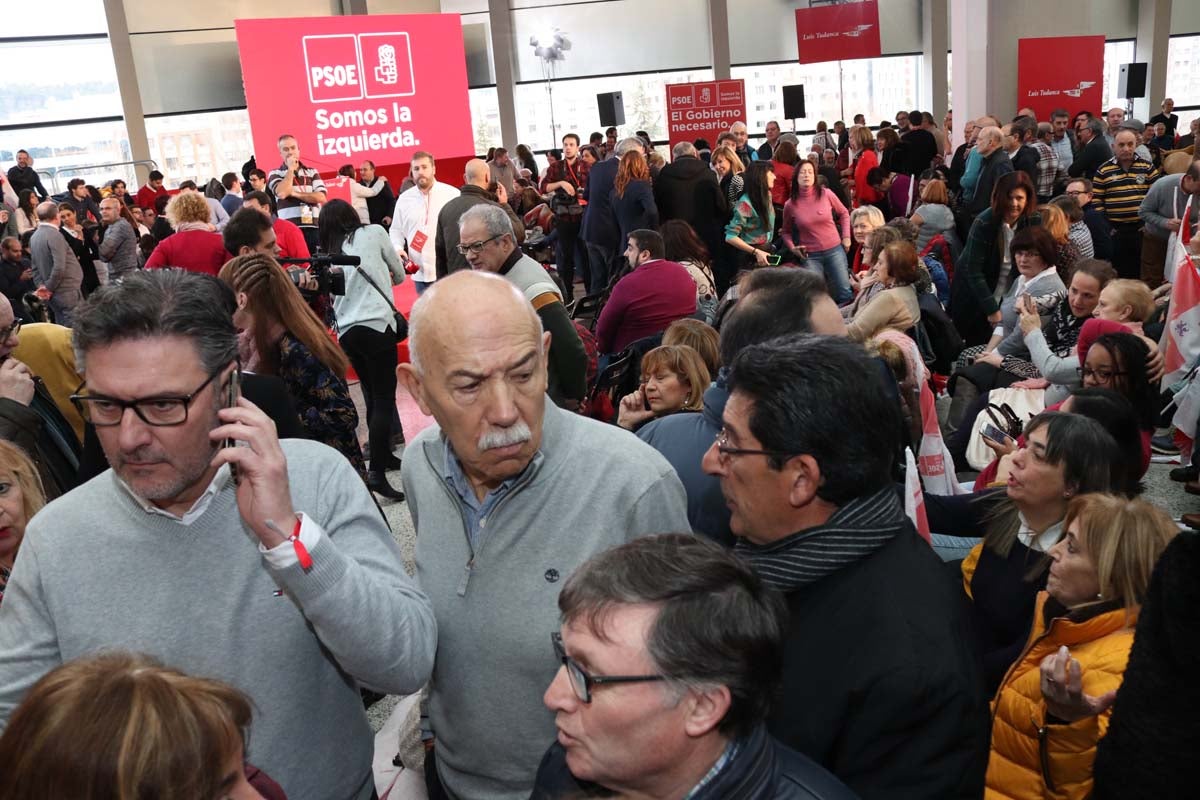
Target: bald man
[[509, 495], [471, 193]]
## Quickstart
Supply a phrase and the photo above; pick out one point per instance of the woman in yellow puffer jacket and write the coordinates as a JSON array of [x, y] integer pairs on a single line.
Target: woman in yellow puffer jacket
[[1053, 705]]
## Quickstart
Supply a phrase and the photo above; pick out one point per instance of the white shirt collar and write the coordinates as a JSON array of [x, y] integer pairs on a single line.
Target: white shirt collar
[[1041, 542], [1025, 283], [192, 514]]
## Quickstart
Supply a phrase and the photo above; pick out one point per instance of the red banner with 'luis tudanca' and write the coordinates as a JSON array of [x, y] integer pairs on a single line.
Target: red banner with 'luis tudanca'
[[1060, 72], [838, 33], [356, 87]]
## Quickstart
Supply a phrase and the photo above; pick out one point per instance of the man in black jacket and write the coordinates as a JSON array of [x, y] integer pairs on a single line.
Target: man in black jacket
[[880, 683], [918, 145], [477, 176], [1093, 151], [379, 207], [600, 231], [687, 189], [698, 638], [989, 143], [1024, 158]]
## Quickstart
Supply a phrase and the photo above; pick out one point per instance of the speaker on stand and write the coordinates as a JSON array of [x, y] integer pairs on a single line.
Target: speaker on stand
[[612, 109], [1131, 84]]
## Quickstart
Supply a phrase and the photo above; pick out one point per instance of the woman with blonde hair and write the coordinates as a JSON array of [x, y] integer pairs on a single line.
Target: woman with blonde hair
[[700, 337], [1127, 301], [194, 246], [729, 169], [673, 379], [1054, 220], [119, 726], [632, 197], [863, 220], [293, 344], [1053, 705], [21, 497]]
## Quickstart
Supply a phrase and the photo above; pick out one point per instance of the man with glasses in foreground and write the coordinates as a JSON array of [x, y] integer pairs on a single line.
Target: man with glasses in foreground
[[487, 242], [509, 494], [280, 579], [670, 652], [880, 683]]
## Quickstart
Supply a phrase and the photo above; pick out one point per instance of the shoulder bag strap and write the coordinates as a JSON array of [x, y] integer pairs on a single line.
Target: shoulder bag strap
[[375, 286]]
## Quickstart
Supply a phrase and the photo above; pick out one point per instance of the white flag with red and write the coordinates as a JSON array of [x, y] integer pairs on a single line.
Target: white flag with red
[[1181, 336]]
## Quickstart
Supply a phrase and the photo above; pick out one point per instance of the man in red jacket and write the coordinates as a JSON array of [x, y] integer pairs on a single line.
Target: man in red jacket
[[287, 235], [153, 189]]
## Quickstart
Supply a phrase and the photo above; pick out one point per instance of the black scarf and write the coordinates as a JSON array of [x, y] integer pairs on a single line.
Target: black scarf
[[855, 530], [1062, 332]]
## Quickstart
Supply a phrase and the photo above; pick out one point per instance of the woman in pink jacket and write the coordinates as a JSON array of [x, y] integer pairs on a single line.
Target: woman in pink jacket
[[816, 228]]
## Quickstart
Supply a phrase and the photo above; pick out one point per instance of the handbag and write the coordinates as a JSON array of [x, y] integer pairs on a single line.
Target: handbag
[[401, 322], [1022, 404]]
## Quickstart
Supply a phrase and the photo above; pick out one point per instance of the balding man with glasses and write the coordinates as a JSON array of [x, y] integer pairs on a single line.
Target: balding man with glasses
[[487, 242], [214, 546]]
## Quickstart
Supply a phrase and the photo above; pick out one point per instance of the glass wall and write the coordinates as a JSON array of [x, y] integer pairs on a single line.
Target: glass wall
[[575, 110], [875, 87], [202, 146], [1183, 74], [1115, 54]]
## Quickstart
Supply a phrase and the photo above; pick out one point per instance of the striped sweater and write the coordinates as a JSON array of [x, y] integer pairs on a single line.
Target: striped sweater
[[1119, 192]]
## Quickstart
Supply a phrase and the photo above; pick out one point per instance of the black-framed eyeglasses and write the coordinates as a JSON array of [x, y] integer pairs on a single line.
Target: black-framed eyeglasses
[[1088, 372], [726, 451], [163, 411], [582, 682], [9, 331], [476, 247]]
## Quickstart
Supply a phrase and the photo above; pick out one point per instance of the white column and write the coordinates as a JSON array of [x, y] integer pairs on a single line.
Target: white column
[[971, 71], [1153, 35], [500, 23], [935, 36], [127, 85], [718, 34]]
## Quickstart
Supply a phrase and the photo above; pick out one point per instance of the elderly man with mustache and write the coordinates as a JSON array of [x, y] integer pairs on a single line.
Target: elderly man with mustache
[[509, 495]]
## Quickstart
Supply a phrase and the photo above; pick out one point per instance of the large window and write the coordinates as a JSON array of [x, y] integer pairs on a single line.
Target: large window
[[202, 146], [1183, 74], [874, 87], [485, 119], [1115, 54], [73, 150], [54, 80], [644, 97]]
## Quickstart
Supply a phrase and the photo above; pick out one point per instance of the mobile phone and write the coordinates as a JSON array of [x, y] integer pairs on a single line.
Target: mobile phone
[[232, 393], [773, 261], [990, 431]]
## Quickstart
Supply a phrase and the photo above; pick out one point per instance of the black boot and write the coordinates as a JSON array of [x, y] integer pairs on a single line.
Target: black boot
[[391, 462], [377, 482]]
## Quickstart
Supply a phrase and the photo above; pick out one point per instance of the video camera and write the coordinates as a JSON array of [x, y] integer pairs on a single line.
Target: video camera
[[325, 268]]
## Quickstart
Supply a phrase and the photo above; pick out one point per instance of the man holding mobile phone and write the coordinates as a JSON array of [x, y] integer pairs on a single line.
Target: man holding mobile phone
[[655, 293]]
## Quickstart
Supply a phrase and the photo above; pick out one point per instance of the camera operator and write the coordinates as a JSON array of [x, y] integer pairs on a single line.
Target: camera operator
[[251, 230], [367, 324]]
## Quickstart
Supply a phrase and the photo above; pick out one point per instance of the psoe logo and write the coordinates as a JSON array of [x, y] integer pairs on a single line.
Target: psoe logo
[[341, 67], [856, 32], [1079, 90]]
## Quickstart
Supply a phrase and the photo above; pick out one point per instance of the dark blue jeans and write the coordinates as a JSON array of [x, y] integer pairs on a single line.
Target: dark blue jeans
[[832, 263]]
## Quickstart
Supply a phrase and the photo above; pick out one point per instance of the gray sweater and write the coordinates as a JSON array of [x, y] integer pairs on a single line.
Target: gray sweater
[[55, 265], [1161, 204], [591, 487], [119, 248], [96, 571]]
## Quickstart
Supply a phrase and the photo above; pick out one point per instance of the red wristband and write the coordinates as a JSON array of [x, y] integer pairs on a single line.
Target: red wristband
[[302, 554]]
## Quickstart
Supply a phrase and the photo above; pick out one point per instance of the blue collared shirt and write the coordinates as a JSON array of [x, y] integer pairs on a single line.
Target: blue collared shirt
[[477, 510]]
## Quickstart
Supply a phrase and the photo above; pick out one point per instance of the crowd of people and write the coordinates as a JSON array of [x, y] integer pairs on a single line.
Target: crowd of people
[[688, 520]]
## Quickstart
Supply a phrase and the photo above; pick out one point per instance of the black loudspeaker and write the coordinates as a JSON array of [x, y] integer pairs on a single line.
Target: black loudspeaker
[[612, 109], [793, 101], [1132, 82]]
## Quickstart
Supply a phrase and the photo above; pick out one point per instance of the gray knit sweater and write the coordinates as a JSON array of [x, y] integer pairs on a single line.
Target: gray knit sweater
[[591, 487], [97, 572]]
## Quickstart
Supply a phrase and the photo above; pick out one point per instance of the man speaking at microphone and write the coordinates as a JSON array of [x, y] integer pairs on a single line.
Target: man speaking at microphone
[[414, 222], [299, 190]]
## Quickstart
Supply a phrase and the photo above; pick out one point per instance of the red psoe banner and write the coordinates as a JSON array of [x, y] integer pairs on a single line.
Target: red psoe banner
[[838, 33], [356, 87], [704, 110], [1060, 72]]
